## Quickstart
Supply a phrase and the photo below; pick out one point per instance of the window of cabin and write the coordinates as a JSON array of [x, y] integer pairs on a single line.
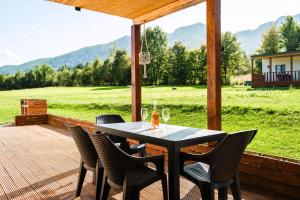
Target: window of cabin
[[280, 68]]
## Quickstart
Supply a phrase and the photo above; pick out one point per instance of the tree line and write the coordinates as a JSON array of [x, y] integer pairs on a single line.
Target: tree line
[[174, 65]]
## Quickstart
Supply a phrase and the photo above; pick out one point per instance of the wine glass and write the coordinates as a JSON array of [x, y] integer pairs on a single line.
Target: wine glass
[[144, 115], [166, 115]]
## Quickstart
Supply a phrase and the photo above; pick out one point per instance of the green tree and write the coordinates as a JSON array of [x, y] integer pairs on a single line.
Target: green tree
[[76, 77], [197, 62], [271, 41], [106, 70], [120, 68], [97, 72], [290, 34], [233, 58], [19, 80], [9, 82], [64, 77], [2, 81], [49, 76], [157, 44], [179, 68], [30, 79], [87, 74]]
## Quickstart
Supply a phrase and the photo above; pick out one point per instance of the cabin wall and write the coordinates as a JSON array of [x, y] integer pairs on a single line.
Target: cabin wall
[[276, 61], [297, 63], [265, 64], [281, 61]]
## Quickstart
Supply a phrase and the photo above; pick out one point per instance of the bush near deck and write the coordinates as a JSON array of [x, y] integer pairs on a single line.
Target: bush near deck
[[275, 113]]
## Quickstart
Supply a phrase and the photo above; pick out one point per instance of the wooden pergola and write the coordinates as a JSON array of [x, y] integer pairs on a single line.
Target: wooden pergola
[[142, 11]]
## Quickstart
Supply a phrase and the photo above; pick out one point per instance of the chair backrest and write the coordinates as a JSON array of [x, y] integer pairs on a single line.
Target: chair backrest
[[113, 159], [226, 156], [85, 146], [109, 119]]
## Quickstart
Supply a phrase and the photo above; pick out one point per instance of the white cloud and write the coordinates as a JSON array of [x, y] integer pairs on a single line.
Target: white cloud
[[10, 54]]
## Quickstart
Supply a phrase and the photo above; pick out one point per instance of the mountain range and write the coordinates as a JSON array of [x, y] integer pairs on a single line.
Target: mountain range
[[191, 36]]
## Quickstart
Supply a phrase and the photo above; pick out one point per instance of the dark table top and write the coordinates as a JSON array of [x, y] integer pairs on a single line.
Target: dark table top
[[166, 134]]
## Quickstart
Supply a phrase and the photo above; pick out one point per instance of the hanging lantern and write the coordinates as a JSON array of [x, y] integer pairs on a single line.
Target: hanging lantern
[[144, 56]]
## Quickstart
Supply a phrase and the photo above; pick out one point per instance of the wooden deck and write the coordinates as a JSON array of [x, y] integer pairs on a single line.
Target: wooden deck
[[41, 162]]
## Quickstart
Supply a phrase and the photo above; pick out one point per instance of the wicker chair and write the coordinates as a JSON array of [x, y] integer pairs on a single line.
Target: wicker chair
[[89, 159], [219, 167], [124, 145], [127, 173]]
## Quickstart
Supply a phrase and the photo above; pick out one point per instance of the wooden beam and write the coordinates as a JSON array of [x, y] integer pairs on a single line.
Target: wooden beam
[[168, 9], [136, 73], [213, 9]]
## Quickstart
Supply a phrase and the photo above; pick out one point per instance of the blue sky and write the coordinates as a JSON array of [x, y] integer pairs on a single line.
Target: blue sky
[[34, 29]]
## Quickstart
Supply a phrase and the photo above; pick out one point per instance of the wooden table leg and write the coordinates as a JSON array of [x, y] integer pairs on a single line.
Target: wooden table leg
[[173, 171]]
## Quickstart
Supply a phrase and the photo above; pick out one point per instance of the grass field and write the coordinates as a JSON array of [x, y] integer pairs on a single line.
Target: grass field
[[275, 113]]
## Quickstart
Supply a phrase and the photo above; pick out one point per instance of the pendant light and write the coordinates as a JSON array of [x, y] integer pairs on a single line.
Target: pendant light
[[144, 55]]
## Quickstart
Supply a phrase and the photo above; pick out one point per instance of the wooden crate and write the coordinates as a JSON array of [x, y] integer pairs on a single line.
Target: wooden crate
[[33, 106]]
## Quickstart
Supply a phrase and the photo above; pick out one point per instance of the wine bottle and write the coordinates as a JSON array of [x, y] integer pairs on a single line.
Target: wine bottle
[[154, 116]]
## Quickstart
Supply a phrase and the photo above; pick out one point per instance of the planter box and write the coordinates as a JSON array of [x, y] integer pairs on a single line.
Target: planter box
[[33, 107]]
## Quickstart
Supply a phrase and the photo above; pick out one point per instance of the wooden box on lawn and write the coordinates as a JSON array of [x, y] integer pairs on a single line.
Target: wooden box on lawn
[[33, 106]]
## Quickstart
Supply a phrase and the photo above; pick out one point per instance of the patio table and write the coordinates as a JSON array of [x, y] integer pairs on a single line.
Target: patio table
[[169, 136]]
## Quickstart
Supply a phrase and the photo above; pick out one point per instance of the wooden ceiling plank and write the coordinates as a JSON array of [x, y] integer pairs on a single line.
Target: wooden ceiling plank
[[131, 9], [166, 10]]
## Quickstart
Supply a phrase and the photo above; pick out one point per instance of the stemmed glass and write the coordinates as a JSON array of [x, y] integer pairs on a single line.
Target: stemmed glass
[[144, 115], [166, 115]]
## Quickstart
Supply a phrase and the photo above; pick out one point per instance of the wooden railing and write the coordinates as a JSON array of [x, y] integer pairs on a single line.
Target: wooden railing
[[272, 79]]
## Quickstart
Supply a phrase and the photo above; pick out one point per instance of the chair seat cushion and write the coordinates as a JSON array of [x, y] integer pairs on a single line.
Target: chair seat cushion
[[197, 171], [137, 148], [140, 175]]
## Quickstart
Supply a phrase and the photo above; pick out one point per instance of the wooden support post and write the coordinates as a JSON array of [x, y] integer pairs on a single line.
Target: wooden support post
[[136, 74], [213, 9]]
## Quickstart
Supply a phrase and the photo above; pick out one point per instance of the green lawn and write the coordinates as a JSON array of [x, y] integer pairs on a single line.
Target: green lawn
[[275, 113]]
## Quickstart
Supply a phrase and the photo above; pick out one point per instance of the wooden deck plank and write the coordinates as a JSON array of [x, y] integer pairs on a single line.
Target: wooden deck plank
[[39, 185], [39, 173], [49, 171], [9, 186], [23, 186], [2, 194], [40, 162], [60, 166]]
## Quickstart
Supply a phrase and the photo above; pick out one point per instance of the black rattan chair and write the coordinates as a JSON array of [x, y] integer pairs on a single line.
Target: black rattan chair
[[89, 159], [219, 167], [124, 145], [127, 173]]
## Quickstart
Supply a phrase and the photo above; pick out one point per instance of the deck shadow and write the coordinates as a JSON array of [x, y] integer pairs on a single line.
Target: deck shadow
[[42, 183]]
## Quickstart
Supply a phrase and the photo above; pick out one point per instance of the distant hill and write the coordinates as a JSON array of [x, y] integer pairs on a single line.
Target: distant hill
[[192, 36], [73, 58]]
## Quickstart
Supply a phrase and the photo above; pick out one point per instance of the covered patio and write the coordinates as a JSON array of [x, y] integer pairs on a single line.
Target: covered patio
[[41, 162], [143, 11]]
